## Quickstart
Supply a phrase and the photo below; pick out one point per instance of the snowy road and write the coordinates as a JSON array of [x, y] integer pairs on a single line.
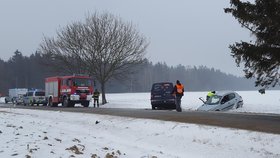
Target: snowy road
[[256, 122]]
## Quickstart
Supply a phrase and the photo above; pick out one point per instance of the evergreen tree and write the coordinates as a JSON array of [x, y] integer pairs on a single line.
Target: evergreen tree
[[262, 57]]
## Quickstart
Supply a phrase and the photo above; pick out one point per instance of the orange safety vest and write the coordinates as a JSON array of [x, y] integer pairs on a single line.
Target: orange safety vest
[[179, 88]]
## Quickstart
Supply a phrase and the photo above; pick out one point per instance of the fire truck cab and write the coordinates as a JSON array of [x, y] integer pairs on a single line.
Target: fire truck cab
[[69, 90]]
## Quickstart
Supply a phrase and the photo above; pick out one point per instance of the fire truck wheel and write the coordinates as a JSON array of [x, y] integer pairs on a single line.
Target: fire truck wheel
[[71, 104], [85, 104], [51, 103]]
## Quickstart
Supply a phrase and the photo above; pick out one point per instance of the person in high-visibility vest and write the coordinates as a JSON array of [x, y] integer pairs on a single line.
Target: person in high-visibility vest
[[178, 91], [210, 94]]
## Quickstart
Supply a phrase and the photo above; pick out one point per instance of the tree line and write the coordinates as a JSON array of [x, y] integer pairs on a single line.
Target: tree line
[[30, 72]]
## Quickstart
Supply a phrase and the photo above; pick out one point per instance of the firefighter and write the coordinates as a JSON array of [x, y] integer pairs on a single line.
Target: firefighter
[[210, 94], [95, 97], [178, 91]]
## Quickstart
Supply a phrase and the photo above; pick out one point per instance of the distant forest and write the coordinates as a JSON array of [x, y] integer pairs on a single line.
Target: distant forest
[[29, 72]]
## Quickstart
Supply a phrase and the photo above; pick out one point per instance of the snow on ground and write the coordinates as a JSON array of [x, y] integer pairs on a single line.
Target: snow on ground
[[254, 102], [44, 134]]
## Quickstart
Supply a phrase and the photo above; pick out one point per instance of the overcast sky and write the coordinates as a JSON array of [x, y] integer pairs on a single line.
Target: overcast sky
[[187, 32]]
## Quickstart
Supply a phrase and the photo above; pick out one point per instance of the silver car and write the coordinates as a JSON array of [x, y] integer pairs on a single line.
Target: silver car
[[222, 101]]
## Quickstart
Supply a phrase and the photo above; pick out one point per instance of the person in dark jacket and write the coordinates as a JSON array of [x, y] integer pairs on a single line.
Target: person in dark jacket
[[95, 97], [178, 91]]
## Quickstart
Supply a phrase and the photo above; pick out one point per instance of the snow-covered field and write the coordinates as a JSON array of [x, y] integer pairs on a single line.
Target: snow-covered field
[[44, 134], [254, 102]]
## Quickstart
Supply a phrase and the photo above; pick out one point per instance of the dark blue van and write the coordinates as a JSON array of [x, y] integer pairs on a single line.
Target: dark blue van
[[161, 96]]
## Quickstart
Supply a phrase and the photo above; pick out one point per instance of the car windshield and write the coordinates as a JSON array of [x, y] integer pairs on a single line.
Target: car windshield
[[215, 99], [83, 82]]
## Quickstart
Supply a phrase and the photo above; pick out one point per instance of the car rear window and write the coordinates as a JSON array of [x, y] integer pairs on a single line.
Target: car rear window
[[39, 93], [160, 87], [29, 93]]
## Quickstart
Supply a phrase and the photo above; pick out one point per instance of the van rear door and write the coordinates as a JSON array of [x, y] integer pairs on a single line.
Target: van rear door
[[161, 91]]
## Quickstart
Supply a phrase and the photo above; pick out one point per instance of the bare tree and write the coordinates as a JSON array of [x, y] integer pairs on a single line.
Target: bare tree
[[104, 47]]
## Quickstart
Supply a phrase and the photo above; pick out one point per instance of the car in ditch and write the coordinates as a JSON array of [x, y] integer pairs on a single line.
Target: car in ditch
[[161, 96], [222, 101]]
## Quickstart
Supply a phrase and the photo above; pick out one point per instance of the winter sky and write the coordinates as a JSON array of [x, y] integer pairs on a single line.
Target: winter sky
[[180, 32]]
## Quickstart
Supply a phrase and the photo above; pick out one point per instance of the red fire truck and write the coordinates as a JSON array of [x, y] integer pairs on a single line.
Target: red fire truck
[[69, 90]]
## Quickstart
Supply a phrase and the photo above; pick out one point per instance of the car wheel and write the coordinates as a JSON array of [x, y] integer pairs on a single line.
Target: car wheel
[[153, 107], [239, 105]]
